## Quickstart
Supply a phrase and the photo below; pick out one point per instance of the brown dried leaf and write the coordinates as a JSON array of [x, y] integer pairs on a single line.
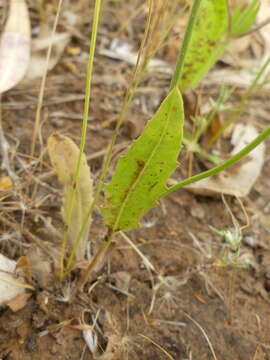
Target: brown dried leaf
[[64, 155], [237, 180], [39, 52], [19, 302]]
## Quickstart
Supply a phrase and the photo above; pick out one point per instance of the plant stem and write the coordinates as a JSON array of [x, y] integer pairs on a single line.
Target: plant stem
[[185, 45], [95, 24], [129, 96], [254, 85], [234, 159], [106, 243], [107, 159]]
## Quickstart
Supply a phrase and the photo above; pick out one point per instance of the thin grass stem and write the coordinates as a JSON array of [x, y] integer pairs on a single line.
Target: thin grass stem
[[96, 17], [43, 81], [185, 45], [108, 156]]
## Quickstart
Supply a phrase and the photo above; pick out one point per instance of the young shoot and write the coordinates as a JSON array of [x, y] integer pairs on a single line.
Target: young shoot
[[141, 175]]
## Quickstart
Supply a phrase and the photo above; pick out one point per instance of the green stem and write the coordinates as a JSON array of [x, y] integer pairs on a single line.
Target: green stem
[[108, 156], [106, 243], [234, 159], [185, 45], [95, 24], [128, 98]]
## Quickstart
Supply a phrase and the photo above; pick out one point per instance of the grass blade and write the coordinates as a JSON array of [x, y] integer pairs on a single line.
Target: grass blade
[[141, 175], [243, 19]]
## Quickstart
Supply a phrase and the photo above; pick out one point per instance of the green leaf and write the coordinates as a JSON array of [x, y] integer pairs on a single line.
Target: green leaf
[[244, 18], [207, 42], [141, 175]]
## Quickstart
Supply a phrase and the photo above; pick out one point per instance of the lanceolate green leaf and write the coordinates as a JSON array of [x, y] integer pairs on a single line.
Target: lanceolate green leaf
[[141, 175], [207, 42], [244, 17]]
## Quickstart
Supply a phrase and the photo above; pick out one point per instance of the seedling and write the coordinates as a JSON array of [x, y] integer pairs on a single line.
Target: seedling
[[141, 175], [232, 239]]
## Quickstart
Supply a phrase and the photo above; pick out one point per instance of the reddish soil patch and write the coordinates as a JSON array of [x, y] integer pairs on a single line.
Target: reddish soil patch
[[187, 308]]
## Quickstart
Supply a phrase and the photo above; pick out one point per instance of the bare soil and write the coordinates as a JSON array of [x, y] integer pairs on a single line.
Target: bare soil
[[186, 309]]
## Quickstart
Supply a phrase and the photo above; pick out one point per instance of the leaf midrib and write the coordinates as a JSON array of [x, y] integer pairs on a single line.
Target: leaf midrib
[[141, 172]]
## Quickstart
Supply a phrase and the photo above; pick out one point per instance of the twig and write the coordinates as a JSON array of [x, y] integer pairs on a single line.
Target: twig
[[147, 263], [158, 346]]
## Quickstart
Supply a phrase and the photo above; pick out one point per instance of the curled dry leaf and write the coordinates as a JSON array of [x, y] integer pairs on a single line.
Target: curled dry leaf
[[9, 284], [15, 46], [91, 340], [64, 155], [39, 51], [237, 180], [123, 52], [237, 78]]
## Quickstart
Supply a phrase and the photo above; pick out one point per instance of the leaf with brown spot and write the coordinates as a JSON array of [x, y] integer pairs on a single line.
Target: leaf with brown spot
[[141, 175], [207, 42]]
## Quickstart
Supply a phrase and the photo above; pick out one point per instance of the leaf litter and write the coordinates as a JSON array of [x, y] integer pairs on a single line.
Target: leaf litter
[[15, 46], [238, 180], [39, 327], [10, 286], [38, 51]]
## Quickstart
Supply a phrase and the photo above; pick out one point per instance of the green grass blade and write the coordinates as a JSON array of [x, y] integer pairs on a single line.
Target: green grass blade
[[141, 175], [207, 42], [244, 18]]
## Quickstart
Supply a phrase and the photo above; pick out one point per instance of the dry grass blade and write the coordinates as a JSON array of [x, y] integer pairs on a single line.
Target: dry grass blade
[[43, 81], [146, 262], [204, 334], [158, 346]]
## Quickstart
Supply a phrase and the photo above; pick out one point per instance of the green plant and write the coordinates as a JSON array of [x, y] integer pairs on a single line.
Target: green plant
[[141, 175], [213, 32]]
